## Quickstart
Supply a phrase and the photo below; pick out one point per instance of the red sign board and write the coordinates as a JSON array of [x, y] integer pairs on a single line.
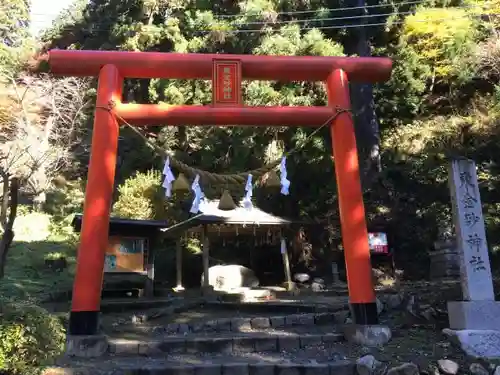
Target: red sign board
[[226, 82], [378, 243]]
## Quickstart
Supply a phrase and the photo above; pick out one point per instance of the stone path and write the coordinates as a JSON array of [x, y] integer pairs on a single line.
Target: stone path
[[292, 344], [270, 341], [228, 335], [224, 325]]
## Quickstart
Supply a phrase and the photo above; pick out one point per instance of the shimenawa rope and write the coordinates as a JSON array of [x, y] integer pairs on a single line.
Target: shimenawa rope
[[215, 178]]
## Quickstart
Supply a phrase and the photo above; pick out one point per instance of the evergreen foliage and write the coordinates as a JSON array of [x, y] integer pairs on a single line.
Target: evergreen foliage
[[445, 81]]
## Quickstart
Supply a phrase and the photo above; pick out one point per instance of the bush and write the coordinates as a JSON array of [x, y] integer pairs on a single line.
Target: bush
[[64, 198], [30, 337], [54, 256], [32, 226], [141, 197]]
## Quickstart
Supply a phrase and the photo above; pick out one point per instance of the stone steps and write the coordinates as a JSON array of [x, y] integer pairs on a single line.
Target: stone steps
[[249, 342], [117, 305], [243, 324], [261, 364], [294, 344]]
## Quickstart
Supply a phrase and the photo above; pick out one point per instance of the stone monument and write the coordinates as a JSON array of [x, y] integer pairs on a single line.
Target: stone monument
[[444, 258], [475, 321], [335, 274]]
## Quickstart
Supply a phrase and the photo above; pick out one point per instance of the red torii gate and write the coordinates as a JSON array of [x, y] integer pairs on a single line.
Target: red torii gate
[[112, 67]]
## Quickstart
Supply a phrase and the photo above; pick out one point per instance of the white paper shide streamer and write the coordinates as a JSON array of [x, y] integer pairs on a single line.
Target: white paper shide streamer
[[198, 195], [283, 246], [247, 200], [169, 178], [285, 183]]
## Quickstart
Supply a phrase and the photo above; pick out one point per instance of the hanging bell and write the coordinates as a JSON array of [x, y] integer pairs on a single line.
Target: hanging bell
[[181, 184], [272, 180], [226, 202]]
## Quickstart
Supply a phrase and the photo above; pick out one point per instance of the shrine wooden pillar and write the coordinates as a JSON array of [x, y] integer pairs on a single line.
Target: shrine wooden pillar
[[178, 265], [206, 259]]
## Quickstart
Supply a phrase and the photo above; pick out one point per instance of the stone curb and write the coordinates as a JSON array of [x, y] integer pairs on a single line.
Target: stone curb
[[238, 368], [248, 344], [271, 306], [243, 324]]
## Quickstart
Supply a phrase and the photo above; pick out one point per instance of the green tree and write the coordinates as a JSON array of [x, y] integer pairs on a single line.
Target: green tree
[[140, 197], [434, 81], [441, 38], [14, 34]]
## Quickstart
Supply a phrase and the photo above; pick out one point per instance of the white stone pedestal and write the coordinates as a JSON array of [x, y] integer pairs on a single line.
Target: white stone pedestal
[[475, 315], [476, 343]]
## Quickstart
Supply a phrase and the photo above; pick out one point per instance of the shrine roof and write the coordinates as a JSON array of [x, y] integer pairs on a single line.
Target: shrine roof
[[126, 227], [210, 214]]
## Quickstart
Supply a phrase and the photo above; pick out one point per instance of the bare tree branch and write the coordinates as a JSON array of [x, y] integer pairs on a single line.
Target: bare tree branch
[[39, 118], [38, 140], [488, 58]]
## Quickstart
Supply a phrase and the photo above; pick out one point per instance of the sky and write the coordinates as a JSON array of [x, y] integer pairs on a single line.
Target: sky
[[43, 13]]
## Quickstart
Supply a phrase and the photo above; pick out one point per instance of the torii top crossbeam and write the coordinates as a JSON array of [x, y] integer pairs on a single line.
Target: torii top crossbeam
[[199, 65]]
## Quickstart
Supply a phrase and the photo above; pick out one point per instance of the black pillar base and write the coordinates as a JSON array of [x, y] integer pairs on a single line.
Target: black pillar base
[[364, 313], [83, 323]]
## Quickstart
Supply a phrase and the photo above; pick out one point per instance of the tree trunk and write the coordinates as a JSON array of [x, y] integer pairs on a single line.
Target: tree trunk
[[363, 105], [8, 235], [5, 201]]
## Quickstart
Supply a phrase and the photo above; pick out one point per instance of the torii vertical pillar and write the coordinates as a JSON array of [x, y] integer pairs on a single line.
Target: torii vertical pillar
[[85, 307], [351, 207]]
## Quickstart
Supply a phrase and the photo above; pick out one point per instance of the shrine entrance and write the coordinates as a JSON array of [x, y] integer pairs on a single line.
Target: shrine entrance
[[227, 71]]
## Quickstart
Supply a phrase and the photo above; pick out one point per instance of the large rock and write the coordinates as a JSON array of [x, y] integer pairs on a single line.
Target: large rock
[[367, 335], [368, 365], [404, 369], [86, 346], [301, 277], [448, 367], [478, 369], [231, 276]]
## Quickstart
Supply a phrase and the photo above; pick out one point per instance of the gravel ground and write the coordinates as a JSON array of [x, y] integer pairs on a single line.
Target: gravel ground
[[419, 342]]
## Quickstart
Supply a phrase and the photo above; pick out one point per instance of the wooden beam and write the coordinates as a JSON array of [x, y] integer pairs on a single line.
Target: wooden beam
[[206, 258], [178, 264], [199, 65]]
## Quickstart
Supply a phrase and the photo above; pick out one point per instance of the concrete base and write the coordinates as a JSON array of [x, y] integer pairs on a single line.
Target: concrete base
[[474, 315], [67, 371], [252, 295], [367, 335], [86, 346], [476, 343], [207, 290], [290, 286]]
